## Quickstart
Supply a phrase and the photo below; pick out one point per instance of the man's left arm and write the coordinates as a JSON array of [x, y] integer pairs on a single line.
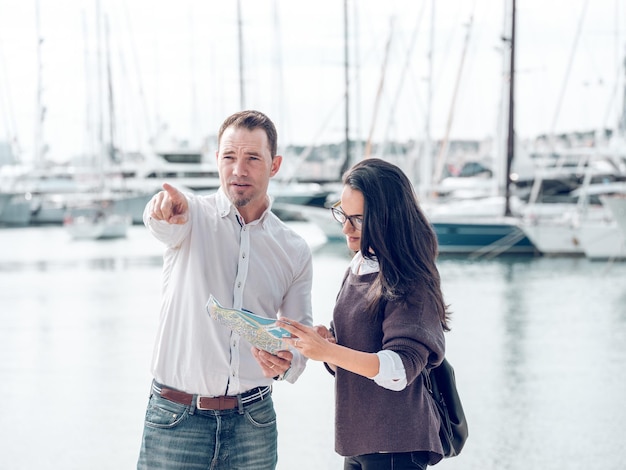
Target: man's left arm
[[297, 305]]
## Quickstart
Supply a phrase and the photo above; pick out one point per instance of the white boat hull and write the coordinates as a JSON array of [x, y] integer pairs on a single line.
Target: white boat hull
[[16, 212], [554, 238], [603, 241], [85, 228], [616, 205]]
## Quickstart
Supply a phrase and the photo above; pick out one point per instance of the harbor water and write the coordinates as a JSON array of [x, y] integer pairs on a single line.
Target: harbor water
[[538, 346]]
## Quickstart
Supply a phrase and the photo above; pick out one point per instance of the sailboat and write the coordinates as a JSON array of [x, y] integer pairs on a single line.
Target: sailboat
[[294, 199], [606, 239], [484, 226], [575, 223], [102, 225], [100, 219], [580, 222]]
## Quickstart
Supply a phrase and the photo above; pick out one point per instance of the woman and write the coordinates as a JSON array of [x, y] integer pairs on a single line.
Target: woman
[[388, 325]]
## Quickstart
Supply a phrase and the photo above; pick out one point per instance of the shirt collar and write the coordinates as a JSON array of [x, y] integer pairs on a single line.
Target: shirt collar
[[225, 206], [361, 265]]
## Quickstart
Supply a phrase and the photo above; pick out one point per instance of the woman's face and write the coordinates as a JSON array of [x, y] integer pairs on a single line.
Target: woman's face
[[352, 204]]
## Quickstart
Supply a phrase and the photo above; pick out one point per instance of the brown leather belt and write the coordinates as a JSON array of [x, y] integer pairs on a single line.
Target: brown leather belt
[[212, 403]]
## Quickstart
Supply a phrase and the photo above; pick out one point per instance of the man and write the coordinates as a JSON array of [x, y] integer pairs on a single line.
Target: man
[[211, 404]]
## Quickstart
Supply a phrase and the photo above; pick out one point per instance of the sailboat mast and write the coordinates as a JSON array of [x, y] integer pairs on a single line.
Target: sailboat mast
[[346, 67], [100, 153], [622, 119], [40, 112], [445, 142], [242, 96], [111, 153], [425, 174], [379, 92], [510, 144]]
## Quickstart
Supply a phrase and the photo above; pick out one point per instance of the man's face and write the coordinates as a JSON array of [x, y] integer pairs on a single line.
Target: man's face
[[246, 166]]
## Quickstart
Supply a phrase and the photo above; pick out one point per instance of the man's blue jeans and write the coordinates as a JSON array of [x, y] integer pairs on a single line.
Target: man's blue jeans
[[180, 437]]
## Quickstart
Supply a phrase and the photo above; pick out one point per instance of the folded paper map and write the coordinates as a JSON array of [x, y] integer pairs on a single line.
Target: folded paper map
[[261, 332]]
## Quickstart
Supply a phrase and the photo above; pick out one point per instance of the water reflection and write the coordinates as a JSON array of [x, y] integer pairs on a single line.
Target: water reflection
[[109, 264], [539, 350], [538, 346]]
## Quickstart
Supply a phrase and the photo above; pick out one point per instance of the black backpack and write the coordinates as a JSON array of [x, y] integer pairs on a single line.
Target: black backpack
[[441, 385]]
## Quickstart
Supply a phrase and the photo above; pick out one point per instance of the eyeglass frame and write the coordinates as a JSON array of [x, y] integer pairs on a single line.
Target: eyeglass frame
[[338, 214]]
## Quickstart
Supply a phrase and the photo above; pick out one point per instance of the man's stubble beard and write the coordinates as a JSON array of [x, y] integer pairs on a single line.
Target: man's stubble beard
[[239, 202]]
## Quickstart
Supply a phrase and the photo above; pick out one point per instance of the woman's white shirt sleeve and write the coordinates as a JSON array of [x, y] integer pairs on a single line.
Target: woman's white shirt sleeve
[[391, 373]]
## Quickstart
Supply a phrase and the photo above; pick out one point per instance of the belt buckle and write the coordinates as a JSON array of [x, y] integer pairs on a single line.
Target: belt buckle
[[216, 403], [198, 405]]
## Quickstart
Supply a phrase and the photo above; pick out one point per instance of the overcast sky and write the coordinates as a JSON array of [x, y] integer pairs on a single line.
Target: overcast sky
[[174, 68]]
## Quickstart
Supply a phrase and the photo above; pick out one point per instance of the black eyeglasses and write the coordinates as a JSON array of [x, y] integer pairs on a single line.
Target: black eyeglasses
[[341, 217]]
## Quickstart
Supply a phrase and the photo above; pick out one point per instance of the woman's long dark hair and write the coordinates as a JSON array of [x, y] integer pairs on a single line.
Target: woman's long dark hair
[[396, 233]]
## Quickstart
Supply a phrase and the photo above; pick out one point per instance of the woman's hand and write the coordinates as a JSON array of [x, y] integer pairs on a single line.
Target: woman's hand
[[313, 342], [325, 333]]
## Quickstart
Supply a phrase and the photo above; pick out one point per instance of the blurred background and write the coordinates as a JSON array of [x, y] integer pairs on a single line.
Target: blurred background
[[507, 116], [163, 70]]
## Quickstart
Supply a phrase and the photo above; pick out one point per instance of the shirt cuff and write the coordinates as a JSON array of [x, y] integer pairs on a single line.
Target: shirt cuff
[[282, 376], [391, 374], [298, 364]]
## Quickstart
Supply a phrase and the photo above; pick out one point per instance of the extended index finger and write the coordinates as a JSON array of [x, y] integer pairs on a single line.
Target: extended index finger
[[172, 191], [175, 205], [292, 326]]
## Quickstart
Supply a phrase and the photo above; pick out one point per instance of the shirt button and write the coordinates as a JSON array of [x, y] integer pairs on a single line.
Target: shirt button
[[243, 255], [239, 285]]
